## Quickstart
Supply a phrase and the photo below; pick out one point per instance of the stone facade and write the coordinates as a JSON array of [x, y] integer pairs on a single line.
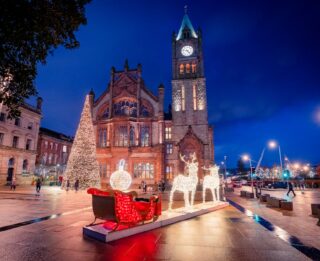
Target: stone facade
[[18, 143], [53, 151], [190, 129], [130, 122]]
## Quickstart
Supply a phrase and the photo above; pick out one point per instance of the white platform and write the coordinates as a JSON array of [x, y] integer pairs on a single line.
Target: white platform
[[168, 217]]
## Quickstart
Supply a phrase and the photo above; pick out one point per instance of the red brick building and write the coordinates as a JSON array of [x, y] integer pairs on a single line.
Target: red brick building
[[53, 150]]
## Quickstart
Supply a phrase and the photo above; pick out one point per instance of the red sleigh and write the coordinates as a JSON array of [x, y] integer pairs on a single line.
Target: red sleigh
[[124, 208]]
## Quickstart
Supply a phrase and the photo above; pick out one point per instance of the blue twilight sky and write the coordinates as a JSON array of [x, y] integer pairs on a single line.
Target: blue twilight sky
[[262, 62]]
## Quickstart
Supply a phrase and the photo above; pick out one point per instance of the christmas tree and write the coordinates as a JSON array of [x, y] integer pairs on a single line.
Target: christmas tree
[[82, 164]]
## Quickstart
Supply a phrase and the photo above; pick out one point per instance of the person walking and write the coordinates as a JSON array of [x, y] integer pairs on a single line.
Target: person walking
[[38, 186], [13, 184], [68, 185], [290, 186], [76, 185]]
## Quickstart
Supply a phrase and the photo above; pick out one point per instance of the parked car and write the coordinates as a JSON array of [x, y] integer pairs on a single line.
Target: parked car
[[279, 184], [236, 183]]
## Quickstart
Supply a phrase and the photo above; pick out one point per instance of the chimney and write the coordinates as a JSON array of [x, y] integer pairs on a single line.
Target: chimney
[[39, 103]]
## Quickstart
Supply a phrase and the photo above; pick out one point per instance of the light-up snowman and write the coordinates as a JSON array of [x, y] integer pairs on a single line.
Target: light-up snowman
[[120, 179]]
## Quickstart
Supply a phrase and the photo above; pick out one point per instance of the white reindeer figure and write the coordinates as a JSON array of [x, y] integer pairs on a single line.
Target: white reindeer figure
[[211, 182], [186, 183]]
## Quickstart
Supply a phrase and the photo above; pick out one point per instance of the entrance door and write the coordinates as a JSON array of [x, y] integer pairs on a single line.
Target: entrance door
[[10, 174], [10, 169]]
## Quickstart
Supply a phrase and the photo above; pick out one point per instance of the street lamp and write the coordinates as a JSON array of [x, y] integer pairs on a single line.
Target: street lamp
[[273, 144], [247, 158]]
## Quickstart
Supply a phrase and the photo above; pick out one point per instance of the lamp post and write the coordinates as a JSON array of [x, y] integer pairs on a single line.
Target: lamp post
[[247, 158], [272, 144]]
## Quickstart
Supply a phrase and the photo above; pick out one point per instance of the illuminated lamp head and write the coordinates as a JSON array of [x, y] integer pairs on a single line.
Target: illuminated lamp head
[[120, 179]]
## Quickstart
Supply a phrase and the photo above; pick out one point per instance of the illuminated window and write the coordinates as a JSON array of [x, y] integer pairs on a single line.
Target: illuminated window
[[143, 170], [181, 69], [51, 145], [46, 145], [193, 68], [169, 148], [102, 138], [50, 158], [194, 94], [169, 174], [144, 136], [187, 68], [183, 98], [121, 136], [168, 133], [25, 166], [64, 148]]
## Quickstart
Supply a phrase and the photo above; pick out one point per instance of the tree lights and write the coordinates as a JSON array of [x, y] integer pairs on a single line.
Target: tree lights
[[82, 163], [211, 182], [184, 183], [120, 179]]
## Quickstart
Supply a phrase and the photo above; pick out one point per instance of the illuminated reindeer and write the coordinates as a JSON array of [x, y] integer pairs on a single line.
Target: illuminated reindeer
[[186, 183], [211, 182]]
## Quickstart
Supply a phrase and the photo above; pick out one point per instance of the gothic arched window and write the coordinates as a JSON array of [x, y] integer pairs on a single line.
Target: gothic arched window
[[132, 136], [181, 68], [105, 114], [193, 68], [125, 108], [144, 112], [187, 68], [121, 136], [102, 138], [145, 136]]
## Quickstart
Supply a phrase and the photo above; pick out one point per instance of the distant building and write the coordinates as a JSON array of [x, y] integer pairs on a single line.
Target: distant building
[[18, 143], [52, 152]]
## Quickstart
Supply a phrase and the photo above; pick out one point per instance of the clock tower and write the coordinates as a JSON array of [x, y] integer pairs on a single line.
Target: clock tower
[[190, 129]]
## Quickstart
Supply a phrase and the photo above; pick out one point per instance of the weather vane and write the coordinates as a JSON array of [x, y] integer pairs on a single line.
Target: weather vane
[[185, 9]]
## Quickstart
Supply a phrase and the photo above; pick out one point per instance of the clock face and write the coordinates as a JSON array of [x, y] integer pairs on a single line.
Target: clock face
[[186, 50]]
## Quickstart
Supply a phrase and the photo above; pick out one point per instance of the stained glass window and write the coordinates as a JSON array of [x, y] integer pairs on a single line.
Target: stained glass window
[[125, 108], [144, 136]]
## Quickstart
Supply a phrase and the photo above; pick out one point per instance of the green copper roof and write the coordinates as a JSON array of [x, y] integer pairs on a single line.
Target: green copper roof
[[186, 23]]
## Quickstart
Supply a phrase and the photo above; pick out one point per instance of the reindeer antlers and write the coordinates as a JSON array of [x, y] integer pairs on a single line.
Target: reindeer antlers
[[193, 158]]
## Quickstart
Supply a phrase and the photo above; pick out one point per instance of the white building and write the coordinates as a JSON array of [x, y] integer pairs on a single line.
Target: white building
[[18, 143]]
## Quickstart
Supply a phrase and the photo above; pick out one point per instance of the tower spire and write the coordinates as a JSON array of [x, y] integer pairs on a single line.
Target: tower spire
[[186, 24]]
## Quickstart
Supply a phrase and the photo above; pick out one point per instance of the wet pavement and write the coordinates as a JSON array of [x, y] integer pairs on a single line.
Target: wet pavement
[[49, 227]]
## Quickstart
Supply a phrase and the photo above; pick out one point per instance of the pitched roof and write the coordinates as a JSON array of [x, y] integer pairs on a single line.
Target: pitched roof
[[186, 23]]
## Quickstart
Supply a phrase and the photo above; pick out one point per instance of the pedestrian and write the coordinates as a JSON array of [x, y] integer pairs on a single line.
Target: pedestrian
[[76, 185], [290, 186], [38, 185], [13, 184], [163, 186], [145, 187], [68, 184]]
